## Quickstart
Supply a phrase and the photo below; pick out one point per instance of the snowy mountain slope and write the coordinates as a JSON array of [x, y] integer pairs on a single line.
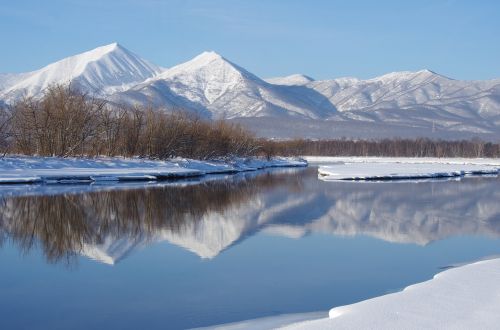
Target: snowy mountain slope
[[434, 96], [102, 70], [221, 88], [10, 79]]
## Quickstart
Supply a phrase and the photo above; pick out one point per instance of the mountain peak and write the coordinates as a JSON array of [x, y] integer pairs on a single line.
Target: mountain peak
[[210, 74], [202, 60], [100, 70], [96, 53], [110, 47], [291, 80], [209, 55], [426, 71], [404, 75], [429, 73], [211, 63]]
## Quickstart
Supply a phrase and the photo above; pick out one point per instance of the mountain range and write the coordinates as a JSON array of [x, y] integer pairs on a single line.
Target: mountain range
[[399, 104]]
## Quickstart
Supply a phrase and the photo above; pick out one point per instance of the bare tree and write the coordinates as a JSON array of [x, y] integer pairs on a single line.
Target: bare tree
[[62, 123], [5, 123]]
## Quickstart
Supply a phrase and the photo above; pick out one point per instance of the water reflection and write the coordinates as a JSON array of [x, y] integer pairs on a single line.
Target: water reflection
[[106, 225], [212, 216]]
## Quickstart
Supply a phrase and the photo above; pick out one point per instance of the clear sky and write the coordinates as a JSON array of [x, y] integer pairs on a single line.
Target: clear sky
[[324, 39]]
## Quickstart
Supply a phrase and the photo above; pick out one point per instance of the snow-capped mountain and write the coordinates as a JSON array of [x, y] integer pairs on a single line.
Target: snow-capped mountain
[[407, 104], [218, 88], [414, 95], [101, 71], [404, 104]]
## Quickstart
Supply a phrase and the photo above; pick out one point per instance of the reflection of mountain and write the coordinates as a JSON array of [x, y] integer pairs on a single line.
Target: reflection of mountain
[[406, 212], [107, 225], [210, 217]]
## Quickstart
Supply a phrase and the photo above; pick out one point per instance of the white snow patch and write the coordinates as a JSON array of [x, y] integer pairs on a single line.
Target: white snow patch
[[380, 168], [467, 297]]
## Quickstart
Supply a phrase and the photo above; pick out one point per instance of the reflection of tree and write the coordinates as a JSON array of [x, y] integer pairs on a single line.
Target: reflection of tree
[[63, 224]]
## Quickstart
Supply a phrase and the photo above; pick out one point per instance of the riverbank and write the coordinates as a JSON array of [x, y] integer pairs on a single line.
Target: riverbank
[[26, 170]]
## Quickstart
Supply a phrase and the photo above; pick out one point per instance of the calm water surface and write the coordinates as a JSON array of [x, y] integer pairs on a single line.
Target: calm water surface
[[191, 254]]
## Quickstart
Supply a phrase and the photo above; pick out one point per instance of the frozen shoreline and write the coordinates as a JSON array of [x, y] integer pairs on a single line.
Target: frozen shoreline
[[25, 170], [394, 168], [465, 297]]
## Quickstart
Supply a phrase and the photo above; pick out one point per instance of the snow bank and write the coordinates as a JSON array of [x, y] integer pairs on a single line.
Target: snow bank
[[400, 171], [72, 170], [375, 168], [467, 297]]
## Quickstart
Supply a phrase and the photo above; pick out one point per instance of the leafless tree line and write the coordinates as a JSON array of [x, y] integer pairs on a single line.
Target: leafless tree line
[[388, 147], [66, 122]]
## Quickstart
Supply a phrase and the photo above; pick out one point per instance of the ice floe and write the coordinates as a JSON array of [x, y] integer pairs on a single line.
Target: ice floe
[[402, 168]]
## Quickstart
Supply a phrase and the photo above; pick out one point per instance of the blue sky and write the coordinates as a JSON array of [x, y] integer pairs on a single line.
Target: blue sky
[[324, 39]]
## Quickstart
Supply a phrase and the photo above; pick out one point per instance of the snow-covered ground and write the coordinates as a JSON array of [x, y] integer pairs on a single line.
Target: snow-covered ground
[[71, 170], [466, 297], [389, 168]]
